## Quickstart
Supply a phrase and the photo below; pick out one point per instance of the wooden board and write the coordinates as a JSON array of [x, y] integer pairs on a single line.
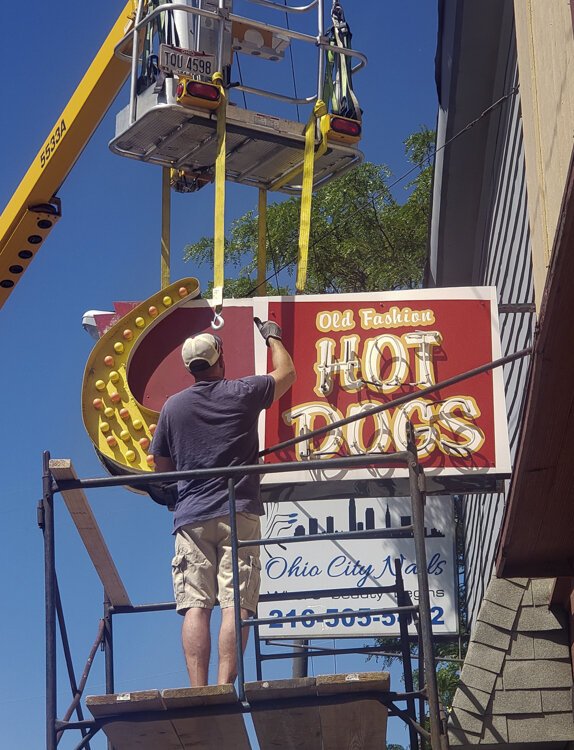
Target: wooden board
[[360, 725], [214, 732], [285, 728], [126, 735], [356, 725], [81, 512]]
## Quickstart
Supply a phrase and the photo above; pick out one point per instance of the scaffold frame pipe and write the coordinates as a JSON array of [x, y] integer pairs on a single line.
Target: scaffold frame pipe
[[48, 529], [318, 616], [108, 646], [320, 593], [75, 688], [417, 510], [328, 537], [236, 593], [402, 598], [316, 651], [84, 678], [229, 709], [409, 457], [229, 471]]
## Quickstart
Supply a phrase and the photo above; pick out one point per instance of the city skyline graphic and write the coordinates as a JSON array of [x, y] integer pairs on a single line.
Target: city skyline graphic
[[302, 524], [368, 523]]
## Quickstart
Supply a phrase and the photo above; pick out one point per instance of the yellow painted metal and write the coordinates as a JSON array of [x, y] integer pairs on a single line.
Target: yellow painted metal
[[319, 112], [119, 426], [262, 243], [27, 237], [72, 130], [165, 227], [219, 220]]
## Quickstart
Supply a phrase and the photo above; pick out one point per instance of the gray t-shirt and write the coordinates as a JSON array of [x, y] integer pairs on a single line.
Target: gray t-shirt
[[214, 423]]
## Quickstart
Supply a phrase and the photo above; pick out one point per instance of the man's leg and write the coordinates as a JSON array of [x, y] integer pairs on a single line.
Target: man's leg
[[248, 527], [195, 587], [227, 671], [196, 641]]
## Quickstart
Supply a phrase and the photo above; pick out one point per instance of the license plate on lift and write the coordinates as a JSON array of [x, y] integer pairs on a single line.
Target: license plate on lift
[[185, 62]]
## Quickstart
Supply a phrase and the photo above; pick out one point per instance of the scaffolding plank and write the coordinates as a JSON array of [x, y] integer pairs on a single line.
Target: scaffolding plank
[[130, 735], [172, 733], [360, 725], [90, 533], [285, 728], [353, 682], [207, 732]]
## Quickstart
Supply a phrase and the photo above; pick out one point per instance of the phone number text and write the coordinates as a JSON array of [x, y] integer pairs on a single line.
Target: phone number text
[[347, 618]]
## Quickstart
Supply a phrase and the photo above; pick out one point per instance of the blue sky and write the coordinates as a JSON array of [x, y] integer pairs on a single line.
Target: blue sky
[[106, 248]]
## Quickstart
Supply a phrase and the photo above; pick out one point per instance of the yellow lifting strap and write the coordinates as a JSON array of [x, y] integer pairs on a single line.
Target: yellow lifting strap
[[165, 228], [325, 125], [319, 113], [219, 221], [262, 243]]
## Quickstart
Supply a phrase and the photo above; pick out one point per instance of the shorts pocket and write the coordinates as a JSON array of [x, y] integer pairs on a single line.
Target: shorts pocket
[[178, 567], [253, 584], [249, 516]]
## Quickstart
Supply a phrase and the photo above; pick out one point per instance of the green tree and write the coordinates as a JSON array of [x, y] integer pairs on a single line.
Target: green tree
[[362, 237]]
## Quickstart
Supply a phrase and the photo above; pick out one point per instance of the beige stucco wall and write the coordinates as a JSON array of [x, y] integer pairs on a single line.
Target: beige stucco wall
[[545, 42]]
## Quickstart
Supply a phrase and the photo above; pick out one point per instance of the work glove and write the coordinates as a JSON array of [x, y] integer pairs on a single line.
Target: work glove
[[268, 329]]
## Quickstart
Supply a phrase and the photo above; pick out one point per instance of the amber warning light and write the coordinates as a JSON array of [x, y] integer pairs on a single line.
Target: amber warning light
[[344, 129], [198, 94]]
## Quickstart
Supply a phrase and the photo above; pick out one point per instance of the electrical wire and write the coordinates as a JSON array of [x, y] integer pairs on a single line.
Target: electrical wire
[[425, 162], [241, 80]]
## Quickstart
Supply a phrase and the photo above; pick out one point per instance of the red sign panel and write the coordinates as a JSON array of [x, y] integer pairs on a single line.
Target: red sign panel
[[353, 353]]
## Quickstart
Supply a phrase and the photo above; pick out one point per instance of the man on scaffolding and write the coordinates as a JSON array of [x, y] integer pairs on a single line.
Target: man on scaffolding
[[213, 423]]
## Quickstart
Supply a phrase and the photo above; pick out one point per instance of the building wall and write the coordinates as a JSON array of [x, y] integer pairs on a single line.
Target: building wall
[[503, 260], [480, 232], [545, 43]]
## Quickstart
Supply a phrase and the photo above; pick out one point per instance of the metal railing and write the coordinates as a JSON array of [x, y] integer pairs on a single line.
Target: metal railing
[[129, 45], [404, 608]]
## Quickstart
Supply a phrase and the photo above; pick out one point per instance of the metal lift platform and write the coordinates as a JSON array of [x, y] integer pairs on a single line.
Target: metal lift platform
[[331, 712], [261, 148]]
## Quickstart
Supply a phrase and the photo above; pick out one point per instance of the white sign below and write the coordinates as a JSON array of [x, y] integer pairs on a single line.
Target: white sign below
[[358, 563]]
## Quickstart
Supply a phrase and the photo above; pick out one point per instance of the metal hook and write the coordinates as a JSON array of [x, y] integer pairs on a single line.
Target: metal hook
[[217, 321]]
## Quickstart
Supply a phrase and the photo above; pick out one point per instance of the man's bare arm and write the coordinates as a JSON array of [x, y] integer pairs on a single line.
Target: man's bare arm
[[283, 368]]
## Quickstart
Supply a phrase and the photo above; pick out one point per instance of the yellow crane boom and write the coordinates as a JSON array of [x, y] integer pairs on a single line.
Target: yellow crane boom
[[33, 209]]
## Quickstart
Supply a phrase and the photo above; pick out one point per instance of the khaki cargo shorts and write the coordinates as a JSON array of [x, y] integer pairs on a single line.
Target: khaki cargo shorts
[[201, 568]]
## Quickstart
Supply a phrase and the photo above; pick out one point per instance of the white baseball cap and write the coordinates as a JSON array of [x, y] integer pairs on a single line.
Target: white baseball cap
[[201, 351]]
